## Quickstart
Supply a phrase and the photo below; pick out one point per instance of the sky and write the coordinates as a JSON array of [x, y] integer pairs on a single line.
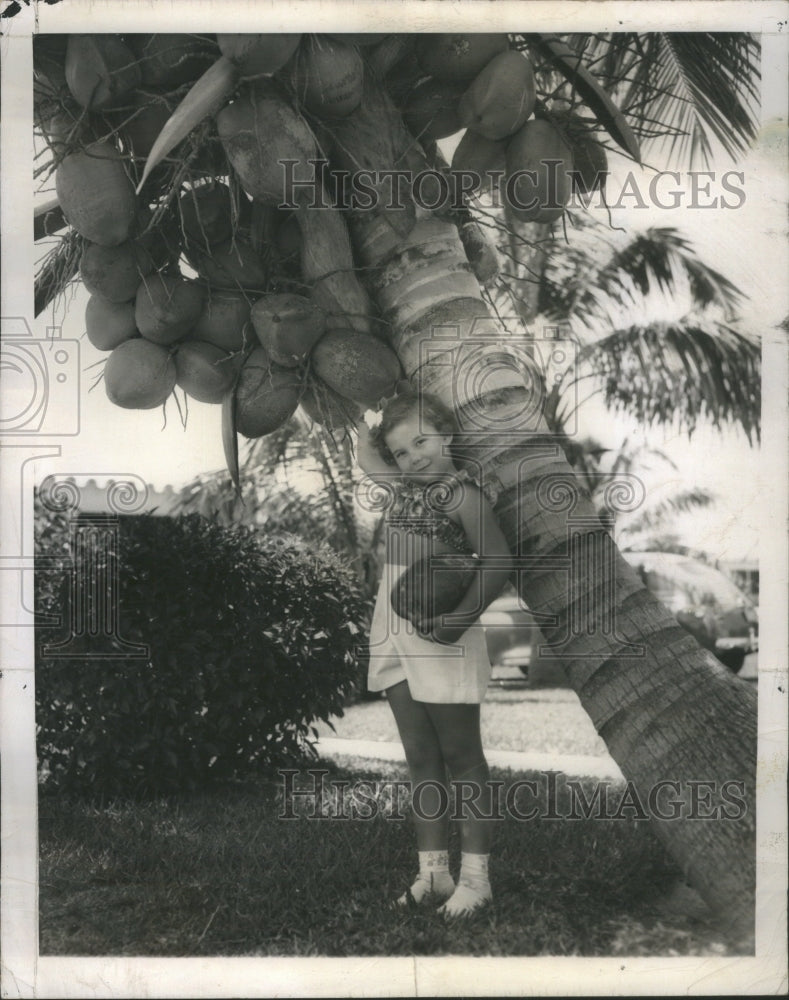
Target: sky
[[748, 244]]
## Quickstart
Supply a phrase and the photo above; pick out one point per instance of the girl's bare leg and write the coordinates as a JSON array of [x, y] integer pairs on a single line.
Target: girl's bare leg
[[425, 764], [429, 792], [458, 732]]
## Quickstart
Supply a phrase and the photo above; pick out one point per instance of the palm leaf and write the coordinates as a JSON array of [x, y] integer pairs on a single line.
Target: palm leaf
[[577, 275], [681, 89], [205, 98], [661, 354], [48, 219], [230, 438], [569, 64], [712, 81], [655, 256], [680, 371], [660, 514]]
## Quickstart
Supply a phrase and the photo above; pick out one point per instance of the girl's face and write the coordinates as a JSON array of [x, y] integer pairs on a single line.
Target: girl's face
[[421, 451]]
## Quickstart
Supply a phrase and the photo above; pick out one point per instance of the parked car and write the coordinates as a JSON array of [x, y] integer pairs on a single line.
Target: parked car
[[510, 632], [704, 601], [720, 616]]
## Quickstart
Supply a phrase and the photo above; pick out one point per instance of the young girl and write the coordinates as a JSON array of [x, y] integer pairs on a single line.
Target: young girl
[[436, 675]]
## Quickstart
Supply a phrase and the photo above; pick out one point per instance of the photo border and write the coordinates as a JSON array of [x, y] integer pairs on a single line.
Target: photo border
[[25, 973]]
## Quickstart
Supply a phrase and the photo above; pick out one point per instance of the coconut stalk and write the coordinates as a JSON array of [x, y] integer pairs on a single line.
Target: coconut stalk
[[60, 268], [48, 219], [667, 710]]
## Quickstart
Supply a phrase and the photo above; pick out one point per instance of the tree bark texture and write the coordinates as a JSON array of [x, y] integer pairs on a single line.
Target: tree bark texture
[[666, 708]]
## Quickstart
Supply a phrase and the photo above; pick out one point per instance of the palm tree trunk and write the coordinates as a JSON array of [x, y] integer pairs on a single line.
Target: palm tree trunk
[[667, 710]]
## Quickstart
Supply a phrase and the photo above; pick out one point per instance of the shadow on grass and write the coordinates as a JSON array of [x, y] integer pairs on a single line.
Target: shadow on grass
[[221, 873]]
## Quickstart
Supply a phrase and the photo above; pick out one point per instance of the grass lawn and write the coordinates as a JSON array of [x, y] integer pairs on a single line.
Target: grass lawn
[[548, 720], [220, 873]]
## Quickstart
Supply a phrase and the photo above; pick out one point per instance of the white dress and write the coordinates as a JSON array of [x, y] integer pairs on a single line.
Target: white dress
[[436, 673]]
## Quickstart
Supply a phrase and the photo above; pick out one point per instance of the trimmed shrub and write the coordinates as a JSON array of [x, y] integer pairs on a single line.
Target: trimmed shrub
[[251, 639]]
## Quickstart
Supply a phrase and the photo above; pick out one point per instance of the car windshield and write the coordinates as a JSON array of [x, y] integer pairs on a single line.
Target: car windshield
[[680, 581]]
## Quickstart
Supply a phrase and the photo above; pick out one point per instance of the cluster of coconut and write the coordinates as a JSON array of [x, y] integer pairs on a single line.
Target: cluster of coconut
[[219, 331], [228, 328], [200, 281], [478, 83]]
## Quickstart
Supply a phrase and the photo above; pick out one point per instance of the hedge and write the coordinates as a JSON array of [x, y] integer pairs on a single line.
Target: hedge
[[251, 640]]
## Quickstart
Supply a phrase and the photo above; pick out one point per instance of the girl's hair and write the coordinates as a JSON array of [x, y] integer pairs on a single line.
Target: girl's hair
[[429, 407]]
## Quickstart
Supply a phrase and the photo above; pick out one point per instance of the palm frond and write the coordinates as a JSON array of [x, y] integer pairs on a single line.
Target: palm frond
[[681, 371], [660, 514], [656, 255], [595, 465], [659, 259], [696, 86]]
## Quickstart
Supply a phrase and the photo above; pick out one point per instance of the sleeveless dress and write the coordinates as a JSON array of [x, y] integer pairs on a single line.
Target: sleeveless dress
[[436, 673]]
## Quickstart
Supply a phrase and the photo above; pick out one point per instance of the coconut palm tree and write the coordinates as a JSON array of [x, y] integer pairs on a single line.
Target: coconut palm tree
[[654, 695], [670, 715]]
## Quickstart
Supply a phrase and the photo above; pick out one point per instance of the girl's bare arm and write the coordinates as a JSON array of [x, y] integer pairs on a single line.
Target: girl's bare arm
[[496, 565], [368, 457]]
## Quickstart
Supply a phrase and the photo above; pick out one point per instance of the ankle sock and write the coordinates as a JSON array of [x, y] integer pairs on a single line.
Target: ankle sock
[[473, 888], [433, 879]]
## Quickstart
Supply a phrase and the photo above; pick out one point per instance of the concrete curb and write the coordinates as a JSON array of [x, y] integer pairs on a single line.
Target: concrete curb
[[577, 765]]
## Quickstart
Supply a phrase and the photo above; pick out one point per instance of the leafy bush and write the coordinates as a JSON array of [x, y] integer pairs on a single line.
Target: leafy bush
[[251, 639]]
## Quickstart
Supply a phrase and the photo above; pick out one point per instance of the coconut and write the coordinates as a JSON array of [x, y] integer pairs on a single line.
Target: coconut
[[361, 39], [232, 264], [356, 365], [101, 70], [429, 588], [590, 162], [288, 326], [431, 112], [457, 57], [114, 272], [204, 371], [265, 396], [206, 214], [64, 125], [108, 324], [260, 131], [539, 172], [96, 194], [500, 98], [162, 242], [139, 375], [326, 407], [225, 322], [590, 165], [172, 60], [483, 158], [142, 130], [327, 265], [255, 55], [287, 238], [328, 77], [49, 66], [166, 308]]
